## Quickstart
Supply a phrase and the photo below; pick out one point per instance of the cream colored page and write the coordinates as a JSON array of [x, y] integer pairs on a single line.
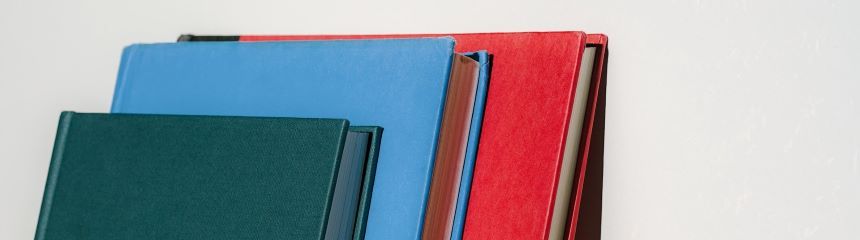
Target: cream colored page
[[571, 147]]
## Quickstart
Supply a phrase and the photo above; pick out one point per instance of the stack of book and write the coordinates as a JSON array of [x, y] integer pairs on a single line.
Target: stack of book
[[486, 136]]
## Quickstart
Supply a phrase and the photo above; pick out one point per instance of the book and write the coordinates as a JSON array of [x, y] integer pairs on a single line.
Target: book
[[139, 176], [420, 90], [368, 178], [472, 149], [522, 178], [586, 217]]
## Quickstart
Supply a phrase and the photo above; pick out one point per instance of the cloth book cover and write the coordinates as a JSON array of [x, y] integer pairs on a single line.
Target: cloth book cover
[[137, 176], [528, 108], [399, 84]]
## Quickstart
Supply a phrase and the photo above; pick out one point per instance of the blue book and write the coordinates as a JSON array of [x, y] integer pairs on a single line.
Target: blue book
[[415, 88], [472, 148]]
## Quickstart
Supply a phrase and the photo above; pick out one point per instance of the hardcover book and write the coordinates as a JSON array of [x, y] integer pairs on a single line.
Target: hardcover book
[[418, 89], [368, 178], [528, 183], [589, 193], [135, 176]]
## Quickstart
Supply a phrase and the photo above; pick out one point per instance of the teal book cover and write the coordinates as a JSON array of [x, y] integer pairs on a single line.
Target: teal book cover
[[135, 176]]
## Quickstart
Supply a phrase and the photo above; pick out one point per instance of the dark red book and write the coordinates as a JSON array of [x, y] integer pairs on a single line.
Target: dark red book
[[529, 110]]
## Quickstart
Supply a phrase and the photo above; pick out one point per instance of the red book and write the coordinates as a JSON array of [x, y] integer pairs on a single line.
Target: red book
[[586, 213], [526, 121]]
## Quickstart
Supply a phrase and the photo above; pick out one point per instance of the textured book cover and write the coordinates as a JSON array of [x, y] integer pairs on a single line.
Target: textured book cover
[[528, 107], [131, 176], [397, 84]]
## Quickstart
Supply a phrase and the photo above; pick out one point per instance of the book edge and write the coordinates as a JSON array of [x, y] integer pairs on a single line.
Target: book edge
[[474, 140], [53, 173], [368, 179], [599, 86], [548, 216], [425, 198], [122, 77], [344, 129]]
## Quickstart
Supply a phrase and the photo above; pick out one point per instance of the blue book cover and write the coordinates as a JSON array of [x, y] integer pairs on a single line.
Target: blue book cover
[[398, 84]]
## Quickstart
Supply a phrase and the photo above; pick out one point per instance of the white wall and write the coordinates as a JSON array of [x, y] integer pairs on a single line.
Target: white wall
[[727, 119]]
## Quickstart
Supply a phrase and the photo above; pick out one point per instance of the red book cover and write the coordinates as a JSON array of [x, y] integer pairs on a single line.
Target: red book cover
[[529, 103]]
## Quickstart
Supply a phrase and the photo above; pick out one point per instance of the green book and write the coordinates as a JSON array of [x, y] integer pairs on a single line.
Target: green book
[[135, 176]]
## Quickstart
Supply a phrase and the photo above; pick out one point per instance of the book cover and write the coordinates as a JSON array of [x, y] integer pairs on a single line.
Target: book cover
[[524, 131], [134, 176], [398, 84]]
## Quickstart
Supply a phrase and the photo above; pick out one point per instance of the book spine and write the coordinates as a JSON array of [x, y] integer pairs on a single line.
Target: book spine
[[53, 173], [194, 38]]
